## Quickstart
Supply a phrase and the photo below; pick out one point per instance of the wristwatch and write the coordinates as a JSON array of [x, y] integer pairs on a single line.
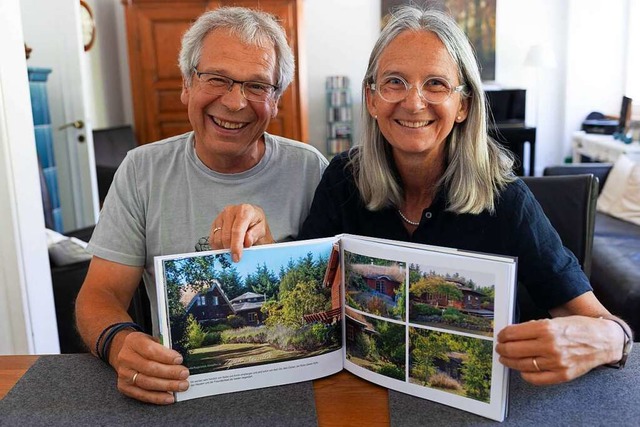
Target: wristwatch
[[628, 342]]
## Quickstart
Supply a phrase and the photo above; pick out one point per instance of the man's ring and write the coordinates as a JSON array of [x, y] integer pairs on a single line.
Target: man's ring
[[535, 364], [216, 230], [135, 377]]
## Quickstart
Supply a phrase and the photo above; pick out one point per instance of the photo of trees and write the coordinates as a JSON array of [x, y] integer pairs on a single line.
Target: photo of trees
[[272, 306], [375, 285], [451, 300], [376, 345], [452, 363]]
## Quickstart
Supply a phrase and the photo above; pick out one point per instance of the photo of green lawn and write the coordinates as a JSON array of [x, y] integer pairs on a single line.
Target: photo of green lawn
[[272, 306], [452, 363]]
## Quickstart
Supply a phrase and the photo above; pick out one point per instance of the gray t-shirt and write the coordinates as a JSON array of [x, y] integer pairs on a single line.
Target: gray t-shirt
[[164, 199]]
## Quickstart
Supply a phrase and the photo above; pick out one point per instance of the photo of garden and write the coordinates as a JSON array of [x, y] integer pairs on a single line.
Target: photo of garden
[[272, 306], [451, 300], [453, 363], [376, 345], [375, 285]]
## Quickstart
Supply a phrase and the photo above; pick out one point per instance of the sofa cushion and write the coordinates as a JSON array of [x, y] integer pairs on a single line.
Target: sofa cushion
[[621, 192]]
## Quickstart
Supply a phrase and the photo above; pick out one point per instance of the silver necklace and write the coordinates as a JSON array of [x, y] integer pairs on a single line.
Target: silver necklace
[[407, 220]]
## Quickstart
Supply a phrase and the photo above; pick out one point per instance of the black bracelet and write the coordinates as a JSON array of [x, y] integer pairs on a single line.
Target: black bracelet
[[626, 346], [104, 331], [114, 329]]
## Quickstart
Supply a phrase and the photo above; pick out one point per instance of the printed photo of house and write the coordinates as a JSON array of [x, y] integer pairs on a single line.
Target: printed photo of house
[[225, 315], [375, 285], [450, 362], [375, 344], [450, 300]]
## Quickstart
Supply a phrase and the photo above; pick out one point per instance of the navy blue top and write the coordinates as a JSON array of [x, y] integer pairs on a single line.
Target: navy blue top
[[518, 228]]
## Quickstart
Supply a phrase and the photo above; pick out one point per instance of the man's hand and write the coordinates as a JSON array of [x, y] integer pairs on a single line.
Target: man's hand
[[552, 351], [156, 369], [240, 226]]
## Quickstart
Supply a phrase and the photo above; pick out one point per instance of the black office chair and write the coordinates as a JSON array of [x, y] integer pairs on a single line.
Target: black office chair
[[570, 204], [110, 147]]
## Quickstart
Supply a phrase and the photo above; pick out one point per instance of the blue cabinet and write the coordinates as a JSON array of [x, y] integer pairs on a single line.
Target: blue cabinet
[[44, 146]]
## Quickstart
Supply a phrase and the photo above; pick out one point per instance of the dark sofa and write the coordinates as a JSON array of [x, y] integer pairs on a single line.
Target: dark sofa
[[67, 281], [615, 262]]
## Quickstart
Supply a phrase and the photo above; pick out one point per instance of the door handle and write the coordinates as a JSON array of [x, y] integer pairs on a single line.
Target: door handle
[[78, 124]]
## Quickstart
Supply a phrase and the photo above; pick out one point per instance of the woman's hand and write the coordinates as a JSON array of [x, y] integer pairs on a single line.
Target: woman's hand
[[552, 351]]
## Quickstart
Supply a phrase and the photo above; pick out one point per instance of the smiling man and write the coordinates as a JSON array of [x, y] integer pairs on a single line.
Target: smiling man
[[235, 64]]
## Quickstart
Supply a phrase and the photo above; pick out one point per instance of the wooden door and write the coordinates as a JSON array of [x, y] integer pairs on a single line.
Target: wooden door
[[154, 33]]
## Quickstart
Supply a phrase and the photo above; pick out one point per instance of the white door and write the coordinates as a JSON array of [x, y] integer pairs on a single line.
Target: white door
[[52, 29]]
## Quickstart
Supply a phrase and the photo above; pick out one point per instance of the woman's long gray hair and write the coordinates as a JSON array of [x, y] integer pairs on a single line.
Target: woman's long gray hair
[[476, 167], [250, 26]]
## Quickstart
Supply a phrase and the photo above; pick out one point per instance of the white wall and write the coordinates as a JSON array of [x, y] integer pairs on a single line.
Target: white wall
[[27, 316], [338, 36], [110, 66], [596, 60]]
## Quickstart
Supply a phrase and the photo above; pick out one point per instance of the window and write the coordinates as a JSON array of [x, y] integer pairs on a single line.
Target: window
[[214, 300], [201, 300], [380, 286], [253, 317]]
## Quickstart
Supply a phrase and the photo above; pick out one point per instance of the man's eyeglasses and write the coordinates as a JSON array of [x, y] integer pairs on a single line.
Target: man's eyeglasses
[[434, 90], [216, 84]]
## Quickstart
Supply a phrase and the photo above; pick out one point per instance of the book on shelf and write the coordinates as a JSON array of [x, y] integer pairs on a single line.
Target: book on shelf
[[418, 319]]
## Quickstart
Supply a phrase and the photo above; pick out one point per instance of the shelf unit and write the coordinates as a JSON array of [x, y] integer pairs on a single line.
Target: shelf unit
[[44, 147], [339, 115]]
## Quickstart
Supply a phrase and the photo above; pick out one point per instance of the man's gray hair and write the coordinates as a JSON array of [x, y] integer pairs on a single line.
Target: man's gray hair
[[476, 167], [252, 27]]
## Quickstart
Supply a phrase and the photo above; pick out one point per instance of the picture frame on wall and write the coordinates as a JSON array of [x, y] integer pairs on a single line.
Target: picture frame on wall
[[476, 18]]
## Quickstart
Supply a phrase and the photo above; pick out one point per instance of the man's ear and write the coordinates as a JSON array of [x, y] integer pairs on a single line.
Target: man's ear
[[274, 107], [184, 95]]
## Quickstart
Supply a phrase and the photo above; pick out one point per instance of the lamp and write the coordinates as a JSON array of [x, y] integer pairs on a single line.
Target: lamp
[[539, 58]]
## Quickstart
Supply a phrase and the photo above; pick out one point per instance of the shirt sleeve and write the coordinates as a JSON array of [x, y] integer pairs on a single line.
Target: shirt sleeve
[[119, 235], [550, 272]]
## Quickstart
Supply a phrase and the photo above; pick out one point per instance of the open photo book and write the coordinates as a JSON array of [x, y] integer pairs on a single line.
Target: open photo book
[[418, 319]]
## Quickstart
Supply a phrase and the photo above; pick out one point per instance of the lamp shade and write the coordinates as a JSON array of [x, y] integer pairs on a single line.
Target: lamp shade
[[539, 56]]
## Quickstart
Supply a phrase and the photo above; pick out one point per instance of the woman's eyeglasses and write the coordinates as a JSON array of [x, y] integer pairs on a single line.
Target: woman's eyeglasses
[[434, 90]]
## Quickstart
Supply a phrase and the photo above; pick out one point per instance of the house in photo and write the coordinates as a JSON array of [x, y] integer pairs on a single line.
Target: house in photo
[[209, 305], [381, 279], [471, 302], [249, 307], [212, 305], [382, 284], [332, 280]]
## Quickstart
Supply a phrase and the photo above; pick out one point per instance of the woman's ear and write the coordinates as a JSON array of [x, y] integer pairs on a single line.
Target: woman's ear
[[371, 102], [463, 110]]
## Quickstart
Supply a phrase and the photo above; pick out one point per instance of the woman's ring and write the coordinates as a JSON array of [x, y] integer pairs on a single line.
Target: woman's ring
[[135, 377], [535, 364], [216, 230]]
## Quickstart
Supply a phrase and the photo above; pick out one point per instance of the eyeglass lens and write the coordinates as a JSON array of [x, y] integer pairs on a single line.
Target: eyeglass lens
[[434, 90], [215, 84]]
